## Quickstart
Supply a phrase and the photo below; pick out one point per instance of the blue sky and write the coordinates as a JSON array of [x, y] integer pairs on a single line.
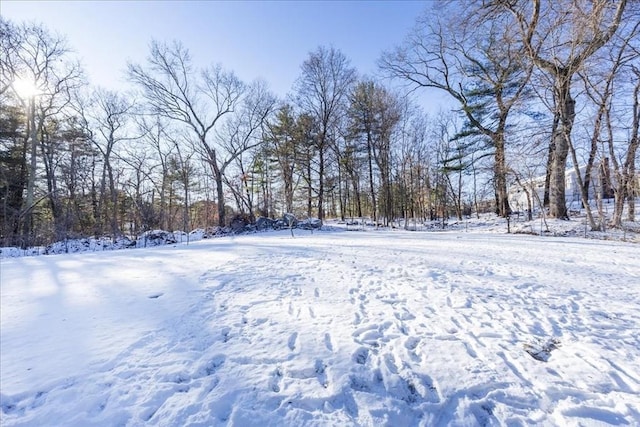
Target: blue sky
[[257, 39]]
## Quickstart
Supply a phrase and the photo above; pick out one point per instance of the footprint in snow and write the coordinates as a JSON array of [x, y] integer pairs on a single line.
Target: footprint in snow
[[357, 319], [320, 368], [327, 341], [292, 341], [361, 355], [276, 380], [411, 343], [390, 363], [224, 333], [540, 350], [155, 295]]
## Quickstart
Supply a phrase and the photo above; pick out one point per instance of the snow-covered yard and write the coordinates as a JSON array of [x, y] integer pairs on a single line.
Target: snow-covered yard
[[328, 328]]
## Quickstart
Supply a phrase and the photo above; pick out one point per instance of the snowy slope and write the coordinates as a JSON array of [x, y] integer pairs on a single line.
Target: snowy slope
[[331, 328]]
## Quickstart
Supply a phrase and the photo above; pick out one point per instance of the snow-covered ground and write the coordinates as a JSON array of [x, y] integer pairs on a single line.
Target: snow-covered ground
[[328, 328]]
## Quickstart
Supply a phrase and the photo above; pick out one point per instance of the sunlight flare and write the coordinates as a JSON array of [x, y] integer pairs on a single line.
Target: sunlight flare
[[25, 88]]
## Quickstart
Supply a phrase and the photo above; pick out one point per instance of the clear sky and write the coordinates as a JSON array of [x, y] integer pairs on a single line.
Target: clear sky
[[256, 39]]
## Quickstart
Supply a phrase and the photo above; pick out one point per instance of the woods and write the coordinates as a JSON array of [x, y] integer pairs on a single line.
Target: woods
[[543, 93]]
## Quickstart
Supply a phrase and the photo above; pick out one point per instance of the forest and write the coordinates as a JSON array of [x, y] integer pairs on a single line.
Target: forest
[[541, 89]]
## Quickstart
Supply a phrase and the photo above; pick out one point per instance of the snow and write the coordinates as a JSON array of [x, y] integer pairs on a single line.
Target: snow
[[332, 327]]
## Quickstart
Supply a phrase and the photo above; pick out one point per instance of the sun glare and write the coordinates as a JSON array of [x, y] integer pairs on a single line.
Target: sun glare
[[25, 88]]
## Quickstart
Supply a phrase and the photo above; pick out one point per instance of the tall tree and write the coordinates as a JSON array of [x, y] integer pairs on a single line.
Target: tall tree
[[477, 61], [559, 37], [412, 165], [37, 69], [627, 178], [612, 75], [373, 113], [106, 117], [13, 143], [306, 137], [158, 134], [175, 90], [321, 91], [61, 146], [13, 170], [243, 131], [281, 145]]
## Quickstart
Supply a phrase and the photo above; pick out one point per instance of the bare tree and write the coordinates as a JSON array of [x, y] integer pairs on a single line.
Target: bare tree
[[184, 170], [173, 89], [106, 121], [412, 165], [157, 133], [610, 75], [627, 180], [477, 61], [322, 90], [559, 37], [243, 131], [11, 39], [374, 113]]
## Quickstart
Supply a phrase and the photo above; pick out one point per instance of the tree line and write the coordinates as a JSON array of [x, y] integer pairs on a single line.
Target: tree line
[[538, 87]]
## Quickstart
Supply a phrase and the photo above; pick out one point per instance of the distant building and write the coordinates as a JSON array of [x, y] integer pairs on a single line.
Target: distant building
[[601, 180]]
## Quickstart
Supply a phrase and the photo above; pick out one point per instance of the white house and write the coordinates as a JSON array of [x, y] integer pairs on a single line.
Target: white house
[[519, 201]]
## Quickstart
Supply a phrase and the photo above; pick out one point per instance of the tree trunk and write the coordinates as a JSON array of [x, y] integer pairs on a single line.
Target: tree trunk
[[185, 219], [288, 191], [356, 191], [163, 196], [52, 189], [565, 109], [630, 162], [309, 189], [219, 179], [115, 229], [31, 182], [631, 193], [371, 182], [95, 203], [321, 183], [504, 210], [550, 154], [387, 186], [625, 188], [341, 194], [593, 150], [583, 192], [222, 220]]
